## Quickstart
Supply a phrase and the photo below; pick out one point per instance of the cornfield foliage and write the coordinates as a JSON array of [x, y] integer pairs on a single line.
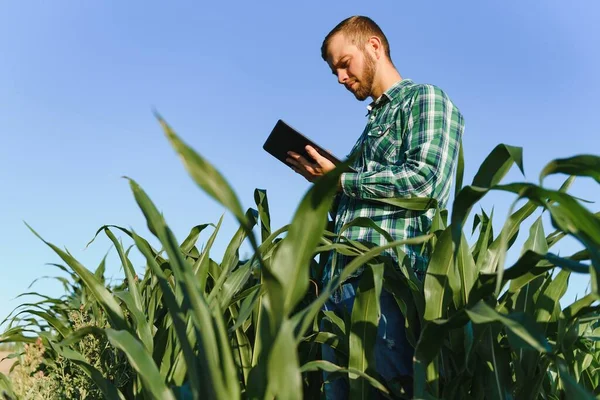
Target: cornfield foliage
[[191, 327]]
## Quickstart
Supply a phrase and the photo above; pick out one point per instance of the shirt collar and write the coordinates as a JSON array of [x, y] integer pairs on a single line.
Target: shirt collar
[[388, 95]]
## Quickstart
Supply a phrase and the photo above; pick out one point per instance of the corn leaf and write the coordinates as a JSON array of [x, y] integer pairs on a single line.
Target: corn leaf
[[141, 361]]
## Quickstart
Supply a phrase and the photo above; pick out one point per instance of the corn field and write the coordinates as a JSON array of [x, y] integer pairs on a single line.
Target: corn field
[[192, 327]]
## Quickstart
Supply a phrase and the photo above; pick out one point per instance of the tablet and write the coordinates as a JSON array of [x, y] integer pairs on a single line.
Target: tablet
[[284, 138]]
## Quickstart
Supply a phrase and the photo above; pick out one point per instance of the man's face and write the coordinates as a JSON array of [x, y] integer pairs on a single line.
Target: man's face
[[354, 68]]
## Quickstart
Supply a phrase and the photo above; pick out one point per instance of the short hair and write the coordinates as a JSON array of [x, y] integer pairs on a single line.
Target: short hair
[[358, 29]]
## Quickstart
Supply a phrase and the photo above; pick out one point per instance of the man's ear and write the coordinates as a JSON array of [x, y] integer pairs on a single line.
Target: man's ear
[[374, 44]]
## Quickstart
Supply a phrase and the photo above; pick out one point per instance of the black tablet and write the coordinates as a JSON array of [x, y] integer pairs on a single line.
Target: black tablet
[[284, 138]]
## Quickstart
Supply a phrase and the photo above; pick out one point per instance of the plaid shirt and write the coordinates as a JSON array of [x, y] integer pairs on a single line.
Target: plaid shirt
[[411, 145]]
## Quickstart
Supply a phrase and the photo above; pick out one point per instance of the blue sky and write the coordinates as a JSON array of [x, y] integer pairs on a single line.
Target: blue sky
[[78, 81]]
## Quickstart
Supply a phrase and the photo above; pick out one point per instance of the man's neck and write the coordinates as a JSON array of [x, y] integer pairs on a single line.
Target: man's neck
[[389, 77]]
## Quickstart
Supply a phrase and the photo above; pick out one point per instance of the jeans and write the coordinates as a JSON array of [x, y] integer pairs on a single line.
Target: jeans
[[393, 352]]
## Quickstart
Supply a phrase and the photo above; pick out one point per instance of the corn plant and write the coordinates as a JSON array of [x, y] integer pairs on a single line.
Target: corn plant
[[192, 327]]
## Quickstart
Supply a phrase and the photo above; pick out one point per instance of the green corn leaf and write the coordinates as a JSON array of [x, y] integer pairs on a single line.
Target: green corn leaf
[[177, 316], [205, 175], [534, 264], [581, 165], [6, 388], [570, 216], [263, 339], [497, 164], [508, 234], [191, 239], [201, 266], [486, 237], [128, 268], [529, 386], [477, 219], [518, 324], [566, 185], [18, 334], [141, 362], [569, 316], [496, 364], [369, 254], [440, 272], [550, 297], [292, 259], [262, 203], [490, 173], [332, 340], [234, 283], [303, 319], [269, 243], [567, 213], [141, 323], [400, 255], [330, 367], [572, 389], [104, 297], [67, 285], [248, 292], [537, 238], [460, 170], [59, 302], [431, 340], [410, 303], [413, 203], [467, 272], [99, 273], [215, 353], [573, 217], [135, 305], [334, 319], [54, 320], [580, 306], [80, 333], [228, 367], [247, 307], [285, 379], [108, 389], [56, 323], [231, 258], [130, 234], [242, 348], [363, 331], [439, 221]]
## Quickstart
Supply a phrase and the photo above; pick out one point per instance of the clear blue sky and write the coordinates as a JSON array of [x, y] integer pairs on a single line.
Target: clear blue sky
[[78, 81]]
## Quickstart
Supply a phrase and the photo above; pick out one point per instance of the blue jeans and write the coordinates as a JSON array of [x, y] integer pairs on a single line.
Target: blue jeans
[[393, 352]]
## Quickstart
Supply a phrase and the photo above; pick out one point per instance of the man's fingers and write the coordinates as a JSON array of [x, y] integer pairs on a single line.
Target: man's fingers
[[302, 172], [298, 159], [323, 164], [296, 165], [313, 153], [302, 166]]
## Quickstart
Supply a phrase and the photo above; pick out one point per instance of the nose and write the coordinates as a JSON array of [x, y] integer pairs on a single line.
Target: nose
[[342, 76]]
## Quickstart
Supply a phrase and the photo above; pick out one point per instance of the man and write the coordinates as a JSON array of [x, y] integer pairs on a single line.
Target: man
[[408, 148]]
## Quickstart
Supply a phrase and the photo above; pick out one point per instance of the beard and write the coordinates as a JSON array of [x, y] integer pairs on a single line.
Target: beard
[[365, 85]]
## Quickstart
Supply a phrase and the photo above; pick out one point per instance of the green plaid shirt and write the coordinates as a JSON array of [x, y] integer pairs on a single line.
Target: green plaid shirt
[[411, 145]]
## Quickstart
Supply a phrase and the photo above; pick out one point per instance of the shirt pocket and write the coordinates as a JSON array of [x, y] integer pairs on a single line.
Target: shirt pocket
[[382, 143]]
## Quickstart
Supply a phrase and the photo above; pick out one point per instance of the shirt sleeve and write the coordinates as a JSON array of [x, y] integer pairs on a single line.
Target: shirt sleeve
[[433, 135]]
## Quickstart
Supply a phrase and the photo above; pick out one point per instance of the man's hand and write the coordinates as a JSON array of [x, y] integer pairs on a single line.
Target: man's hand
[[308, 169]]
